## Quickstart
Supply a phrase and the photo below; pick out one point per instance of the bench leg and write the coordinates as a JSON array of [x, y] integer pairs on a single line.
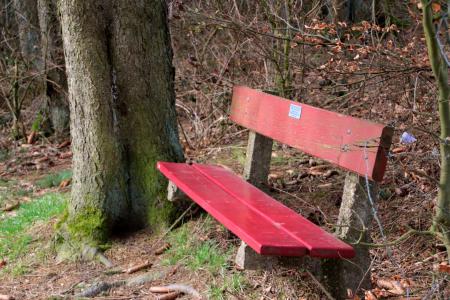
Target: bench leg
[[257, 163], [174, 194], [355, 218], [248, 259], [256, 171]]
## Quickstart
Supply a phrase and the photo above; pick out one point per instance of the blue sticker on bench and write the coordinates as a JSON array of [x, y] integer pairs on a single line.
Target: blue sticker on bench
[[295, 111]]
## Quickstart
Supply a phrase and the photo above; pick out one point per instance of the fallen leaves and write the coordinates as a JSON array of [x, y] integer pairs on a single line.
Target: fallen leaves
[[443, 267], [66, 155], [389, 287]]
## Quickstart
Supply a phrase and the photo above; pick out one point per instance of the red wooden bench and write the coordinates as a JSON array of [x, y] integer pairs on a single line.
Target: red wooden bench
[[265, 224]]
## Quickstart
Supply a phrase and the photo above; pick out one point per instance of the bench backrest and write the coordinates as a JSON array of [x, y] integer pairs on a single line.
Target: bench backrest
[[351, 143]]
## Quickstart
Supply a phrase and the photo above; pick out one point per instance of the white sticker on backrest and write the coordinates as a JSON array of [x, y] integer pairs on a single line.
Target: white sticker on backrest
[[295, 111]]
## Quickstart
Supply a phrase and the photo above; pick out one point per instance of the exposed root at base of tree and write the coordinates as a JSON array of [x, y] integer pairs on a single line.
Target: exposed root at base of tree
[[92, 253], [102, 286]]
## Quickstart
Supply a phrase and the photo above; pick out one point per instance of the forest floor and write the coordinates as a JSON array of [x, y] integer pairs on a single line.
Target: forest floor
[[35, 185]]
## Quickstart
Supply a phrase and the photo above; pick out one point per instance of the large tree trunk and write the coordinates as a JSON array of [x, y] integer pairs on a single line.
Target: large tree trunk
[[28, 24], [122, 102], [57, 106], [141, 55]]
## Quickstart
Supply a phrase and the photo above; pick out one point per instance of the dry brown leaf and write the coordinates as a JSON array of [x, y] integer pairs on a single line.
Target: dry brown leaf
[[369, 296], [392, 286], [63, 144], [65, 155], [65, 183], [398, 150], [2, 263], [41, 160], [436, 7], [444, 268]]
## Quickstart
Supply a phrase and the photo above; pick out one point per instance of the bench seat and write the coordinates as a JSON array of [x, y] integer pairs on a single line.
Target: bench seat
[[265, 224]]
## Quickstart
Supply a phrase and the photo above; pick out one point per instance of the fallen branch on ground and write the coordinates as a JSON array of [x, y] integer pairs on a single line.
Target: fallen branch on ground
[[180, 288], [162, 249], [139, 267], [169, 296]]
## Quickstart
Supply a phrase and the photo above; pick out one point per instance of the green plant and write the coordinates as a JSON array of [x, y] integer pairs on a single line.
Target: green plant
[[13, 230], [234, 285], [208, 256], [194, 253], [54, 180]]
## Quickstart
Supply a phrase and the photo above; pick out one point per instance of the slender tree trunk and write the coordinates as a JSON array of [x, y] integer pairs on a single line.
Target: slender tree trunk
[[28, 24], [57, 106], [441, 220], [122, 102]]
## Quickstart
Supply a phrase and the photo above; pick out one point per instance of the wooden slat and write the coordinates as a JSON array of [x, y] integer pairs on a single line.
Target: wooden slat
[[342, 140], [262, 222]]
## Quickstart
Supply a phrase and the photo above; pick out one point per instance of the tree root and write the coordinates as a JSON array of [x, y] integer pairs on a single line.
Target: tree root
[[92, 253], [99, 287]]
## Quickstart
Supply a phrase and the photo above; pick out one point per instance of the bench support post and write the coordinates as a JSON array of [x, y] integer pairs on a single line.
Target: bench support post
[[256, 171], [257, 163], [355, 218], [174, 194]]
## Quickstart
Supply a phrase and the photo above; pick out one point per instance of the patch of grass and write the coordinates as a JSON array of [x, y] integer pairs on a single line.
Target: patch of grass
[[207, 255], [54, 180], [13, 230], [234, 284], [238, 154], [195, 254]]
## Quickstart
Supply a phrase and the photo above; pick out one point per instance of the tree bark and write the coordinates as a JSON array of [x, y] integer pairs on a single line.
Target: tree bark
[[142, 58], [441, 220], [351, 10], [122, 102], [56, 110]]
